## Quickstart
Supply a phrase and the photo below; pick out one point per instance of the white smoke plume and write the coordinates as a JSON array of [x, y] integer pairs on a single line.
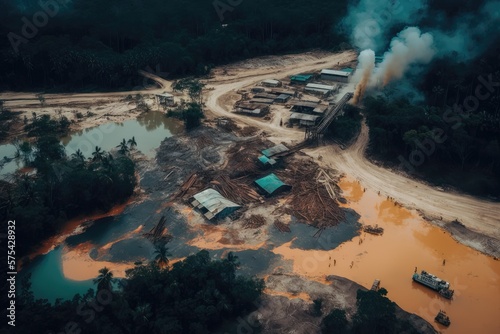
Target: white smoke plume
[[408, 48], [362, 76]]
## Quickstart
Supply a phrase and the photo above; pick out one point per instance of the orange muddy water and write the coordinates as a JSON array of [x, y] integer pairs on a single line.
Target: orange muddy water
[[408, 242]]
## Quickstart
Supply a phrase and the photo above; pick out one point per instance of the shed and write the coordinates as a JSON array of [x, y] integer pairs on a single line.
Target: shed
[[267, 162], [213, 205], [258, 90], [165, 99], [304, 107], [264, 96], [319, 110], [271, 83], [320, 89], [265, 101], [275, 150], [272, 185], [300, 78], [278, 91], [339, 76], [303, 119], [283, 98]]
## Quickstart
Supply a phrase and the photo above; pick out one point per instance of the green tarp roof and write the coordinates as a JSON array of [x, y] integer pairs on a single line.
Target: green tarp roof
[[301, 77], [271, 183], [265, 160]]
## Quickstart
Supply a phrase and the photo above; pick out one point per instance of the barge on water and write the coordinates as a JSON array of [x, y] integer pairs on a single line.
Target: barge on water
[[434, 283], [442, 318]]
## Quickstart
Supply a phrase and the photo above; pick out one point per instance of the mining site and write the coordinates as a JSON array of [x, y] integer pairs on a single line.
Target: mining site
[[329, 190]]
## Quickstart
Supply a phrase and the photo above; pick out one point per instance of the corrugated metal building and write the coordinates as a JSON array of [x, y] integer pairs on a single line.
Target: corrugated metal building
[[283, 98], [303, 119], [267, 162], [271, 83], [321, 89], [303, 106], [300, 78], [339, 76], [213, 205], [275, 150], [272, 185], [265, 101]]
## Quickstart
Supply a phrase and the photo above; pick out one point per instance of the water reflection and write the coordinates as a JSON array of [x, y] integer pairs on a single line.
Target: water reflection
[[148, 129]]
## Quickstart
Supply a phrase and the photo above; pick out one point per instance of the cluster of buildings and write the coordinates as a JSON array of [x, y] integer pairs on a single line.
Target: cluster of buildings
[[303, 113]]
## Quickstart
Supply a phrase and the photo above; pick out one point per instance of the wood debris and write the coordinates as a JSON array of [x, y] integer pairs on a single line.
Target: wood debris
[[159, 232], [254, 221], [236, 190], [313, 196]]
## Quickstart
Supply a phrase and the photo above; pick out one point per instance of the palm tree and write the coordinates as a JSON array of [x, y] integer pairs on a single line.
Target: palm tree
[[233, 259], [123, 147], [162, 254], [78, 155], [104, 279], [98, 154], [132, 142]]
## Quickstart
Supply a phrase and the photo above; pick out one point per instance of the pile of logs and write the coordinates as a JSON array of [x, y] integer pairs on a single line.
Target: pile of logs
[[235, 190], [254, 221], [158, 232], [313, 197]]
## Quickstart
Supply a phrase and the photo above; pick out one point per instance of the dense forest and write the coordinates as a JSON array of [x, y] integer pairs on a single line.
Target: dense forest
[[102, 44], [192, 296], [197, 295], [452, 136], [63, 186]]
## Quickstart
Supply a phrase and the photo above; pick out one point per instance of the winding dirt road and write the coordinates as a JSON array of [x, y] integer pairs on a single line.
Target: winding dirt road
[[476, 214]]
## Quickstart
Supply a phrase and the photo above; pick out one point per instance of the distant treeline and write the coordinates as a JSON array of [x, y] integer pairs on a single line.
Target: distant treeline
[[102, 44]]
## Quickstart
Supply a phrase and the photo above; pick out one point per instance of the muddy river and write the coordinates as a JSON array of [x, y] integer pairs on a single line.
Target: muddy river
[[408, 242]]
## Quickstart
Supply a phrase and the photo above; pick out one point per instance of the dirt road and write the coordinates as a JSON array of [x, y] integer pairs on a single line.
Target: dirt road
[[478, 215]]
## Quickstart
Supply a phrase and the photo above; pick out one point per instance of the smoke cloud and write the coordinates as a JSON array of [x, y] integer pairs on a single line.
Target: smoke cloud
[[370, 21], [366, 65], [410, 47]]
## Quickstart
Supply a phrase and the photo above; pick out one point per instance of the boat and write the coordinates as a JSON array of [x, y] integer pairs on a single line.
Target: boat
[[442, 318], [373, 229], [434, 283]]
